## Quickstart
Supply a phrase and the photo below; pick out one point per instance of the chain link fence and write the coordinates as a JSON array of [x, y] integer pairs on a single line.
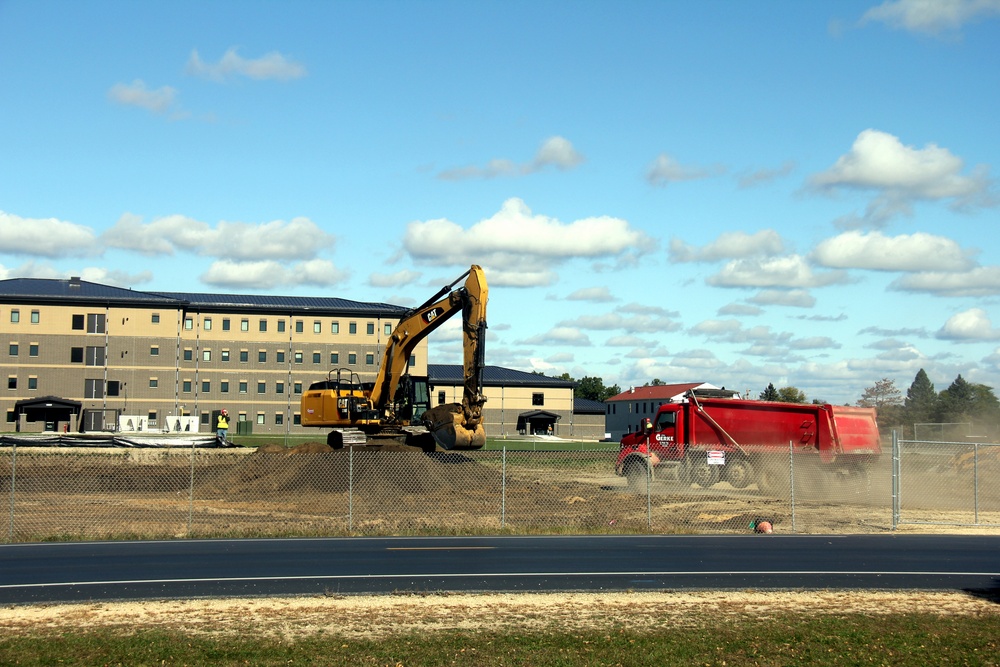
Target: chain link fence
[[87, 494]]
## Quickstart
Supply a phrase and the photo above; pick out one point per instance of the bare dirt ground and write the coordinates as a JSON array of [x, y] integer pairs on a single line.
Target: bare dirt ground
[[379, 616]]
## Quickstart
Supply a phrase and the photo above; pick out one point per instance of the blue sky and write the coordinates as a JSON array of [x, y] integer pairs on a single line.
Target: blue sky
[[802, 193]]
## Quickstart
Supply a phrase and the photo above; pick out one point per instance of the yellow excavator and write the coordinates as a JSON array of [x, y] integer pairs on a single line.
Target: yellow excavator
[[395, 408]]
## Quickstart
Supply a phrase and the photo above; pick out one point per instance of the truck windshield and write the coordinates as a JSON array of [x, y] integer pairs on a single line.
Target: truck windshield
[[665, 420]]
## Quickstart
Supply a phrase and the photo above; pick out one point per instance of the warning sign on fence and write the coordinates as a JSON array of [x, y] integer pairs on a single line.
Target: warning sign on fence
[[716, 458]]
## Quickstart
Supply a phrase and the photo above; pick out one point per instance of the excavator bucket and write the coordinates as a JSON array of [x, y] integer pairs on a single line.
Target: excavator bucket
[[447, 423]]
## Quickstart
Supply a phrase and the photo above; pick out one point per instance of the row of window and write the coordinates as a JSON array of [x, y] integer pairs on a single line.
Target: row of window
[[278, 418], [243, 386], [15, 316]]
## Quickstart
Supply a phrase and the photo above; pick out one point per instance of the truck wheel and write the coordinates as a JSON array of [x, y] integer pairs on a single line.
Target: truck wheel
[[335, 440], [703, 474], [635, 473], [773, 480], [739, 473]]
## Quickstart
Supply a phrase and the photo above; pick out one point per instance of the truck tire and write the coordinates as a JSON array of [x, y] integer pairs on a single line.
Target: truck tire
[[739, 473], [773, 480], [636, 473], [702, 474]]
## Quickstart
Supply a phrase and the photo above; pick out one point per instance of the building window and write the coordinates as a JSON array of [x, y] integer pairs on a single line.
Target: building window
[[261, 387], [279, 356], [32, 383], [188, 323], [76, 355], [370, 359], [352, 358], [224, 386], [279, 387], [15, 317], [206, 355], [370, 329], [225, 355], [12, 382], [298, 326], [186, 386], [244, 325], [35, 317], [206, 386], [441, 398], [352, 328], [154, 383], [95, 356], [317, 327], [335, 327], [262, 356], [207, 324], [95, 323], [538, 398], [263, 325], [33, 350], [13, 349], [154, 351], [260, 418], [243, 386], [297, 419], [188, 354], [225, 324], [281, 326], [205, 416], [317, 357], [298, 357], [388, 329], [93, 388], [156, 318], [334, 357], [78, 321], [279, 418], [297, 387], [413, 360], [244, 356]]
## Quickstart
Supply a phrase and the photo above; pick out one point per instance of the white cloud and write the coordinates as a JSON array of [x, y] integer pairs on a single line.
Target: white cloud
[[776, 272], [404, 277], [555, 152], [814, 343], [265, 275], [592, 294], [980, 281], [136, 94], [514, 239], [757, 177], [626, 341], [931, 16], [629, 324], [45, 237], [666, 170], [900, 175], [729, 245], [795, 298], [299, 238], [970, 325], [559, 335], [906, 252], [740, 309], [273, 65]]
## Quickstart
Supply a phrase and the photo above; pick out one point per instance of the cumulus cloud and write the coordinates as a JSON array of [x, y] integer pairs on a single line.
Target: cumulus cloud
[[970, 325], [274, 66], [931, 16], [814, 343], [591, 294], [136, 94], [627, 323], [559, 335], [740, 309], [666, 170], [900, 175], [776, 272], [265, 275], [299, 238], [906, 252], [45, 237], [557, 152], [795, 298], [729, 245], [518, 241], [404, 277], [749, 179], [980, 281]]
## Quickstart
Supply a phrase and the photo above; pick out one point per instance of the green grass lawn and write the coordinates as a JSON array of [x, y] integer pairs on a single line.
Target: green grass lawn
[[918, 639]]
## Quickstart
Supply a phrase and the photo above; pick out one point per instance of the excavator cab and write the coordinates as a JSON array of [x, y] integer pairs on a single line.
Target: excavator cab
[[412, 399]]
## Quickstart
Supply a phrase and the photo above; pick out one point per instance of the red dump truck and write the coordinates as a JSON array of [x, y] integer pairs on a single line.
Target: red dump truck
[[706, 440]]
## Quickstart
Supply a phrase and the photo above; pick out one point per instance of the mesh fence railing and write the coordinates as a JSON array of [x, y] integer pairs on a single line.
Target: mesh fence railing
[[947, 483], [70, 494]]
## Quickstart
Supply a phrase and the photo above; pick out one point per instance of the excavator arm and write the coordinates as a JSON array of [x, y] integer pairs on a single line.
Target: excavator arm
[[454, 426]]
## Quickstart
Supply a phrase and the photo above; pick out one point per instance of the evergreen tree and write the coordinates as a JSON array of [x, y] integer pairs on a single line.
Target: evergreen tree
[[769, 394], [920, 404]]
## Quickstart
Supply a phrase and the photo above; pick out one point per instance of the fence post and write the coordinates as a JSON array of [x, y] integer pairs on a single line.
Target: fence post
[[649, 493], [895, 479], [13, 483], [975, 478], [191, 493], [791, 480], [503, 488], [350, 489]]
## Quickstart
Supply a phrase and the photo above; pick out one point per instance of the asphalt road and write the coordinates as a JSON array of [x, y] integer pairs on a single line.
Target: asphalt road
[[223, 568]]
